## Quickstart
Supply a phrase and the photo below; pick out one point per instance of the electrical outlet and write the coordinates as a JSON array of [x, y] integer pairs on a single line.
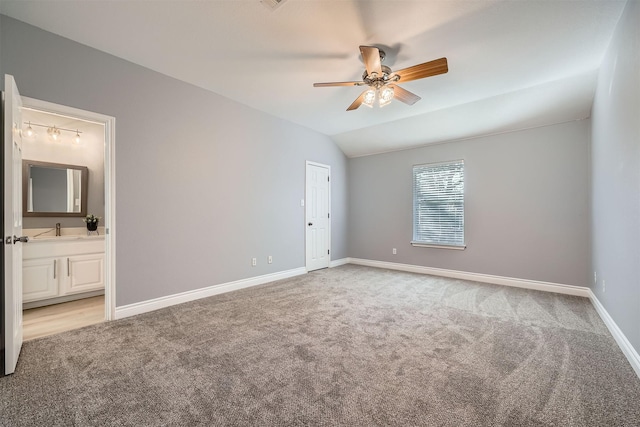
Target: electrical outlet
[[270, 259], [604, 286], [395, 252], [254, 262]]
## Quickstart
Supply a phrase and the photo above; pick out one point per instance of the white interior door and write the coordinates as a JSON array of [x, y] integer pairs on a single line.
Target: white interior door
[[12, 224], [317, 216]]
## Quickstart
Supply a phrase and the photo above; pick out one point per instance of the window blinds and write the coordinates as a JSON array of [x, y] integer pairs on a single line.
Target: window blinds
[[438, 204]]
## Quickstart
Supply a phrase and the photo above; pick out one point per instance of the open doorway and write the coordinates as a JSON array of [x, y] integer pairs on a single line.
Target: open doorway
[[68, 263]]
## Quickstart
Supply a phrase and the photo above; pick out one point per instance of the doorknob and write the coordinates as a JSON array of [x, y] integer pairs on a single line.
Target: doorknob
[[310, 224], [23, 239], [9, 240]]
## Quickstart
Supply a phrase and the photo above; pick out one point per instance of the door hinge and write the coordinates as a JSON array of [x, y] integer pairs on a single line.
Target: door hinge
[[327, 251], [327, 179], [328, 215]]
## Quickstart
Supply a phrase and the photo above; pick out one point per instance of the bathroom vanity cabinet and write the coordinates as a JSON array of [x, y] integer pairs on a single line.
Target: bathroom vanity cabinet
[[62, 269]]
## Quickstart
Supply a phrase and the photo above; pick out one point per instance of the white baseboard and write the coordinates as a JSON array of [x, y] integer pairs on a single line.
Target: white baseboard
[[624, 344], [478, 277], [162, 302], [338, 262]]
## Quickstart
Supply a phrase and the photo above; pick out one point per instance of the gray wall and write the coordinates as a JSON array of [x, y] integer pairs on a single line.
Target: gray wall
[[203, 183], [615, 168], [526, 205]]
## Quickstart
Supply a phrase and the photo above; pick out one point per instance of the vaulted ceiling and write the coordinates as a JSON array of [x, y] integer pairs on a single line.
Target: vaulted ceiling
[[512, 64]]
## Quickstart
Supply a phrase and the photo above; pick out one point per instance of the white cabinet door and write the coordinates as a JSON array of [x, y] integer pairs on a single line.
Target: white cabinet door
[[39, 279], [84, 273]]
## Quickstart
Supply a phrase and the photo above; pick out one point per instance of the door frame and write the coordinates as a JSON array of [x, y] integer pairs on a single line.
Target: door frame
[[109, 123], [306, 201]]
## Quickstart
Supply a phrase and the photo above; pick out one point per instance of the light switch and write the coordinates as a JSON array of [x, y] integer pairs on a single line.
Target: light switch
[[302, 202]]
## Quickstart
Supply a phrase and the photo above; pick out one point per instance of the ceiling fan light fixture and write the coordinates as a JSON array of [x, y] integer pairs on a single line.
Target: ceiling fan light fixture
[[369, 98], [385, 95], [382, 81]]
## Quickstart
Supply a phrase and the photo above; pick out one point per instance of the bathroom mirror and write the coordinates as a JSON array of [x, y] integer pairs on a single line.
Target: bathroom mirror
[[53, 189]]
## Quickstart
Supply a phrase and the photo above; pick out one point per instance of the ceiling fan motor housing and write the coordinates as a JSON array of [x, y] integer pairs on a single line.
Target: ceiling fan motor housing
[[376, 80]]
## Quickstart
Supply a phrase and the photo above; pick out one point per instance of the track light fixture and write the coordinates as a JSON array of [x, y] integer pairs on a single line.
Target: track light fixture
[[54, 132]]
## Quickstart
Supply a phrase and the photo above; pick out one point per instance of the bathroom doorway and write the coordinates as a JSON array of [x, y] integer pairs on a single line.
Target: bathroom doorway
[[68, 174]]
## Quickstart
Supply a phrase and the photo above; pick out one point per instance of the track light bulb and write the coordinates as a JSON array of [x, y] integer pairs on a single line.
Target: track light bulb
[[29, 131], [76, 139], [54, 133]]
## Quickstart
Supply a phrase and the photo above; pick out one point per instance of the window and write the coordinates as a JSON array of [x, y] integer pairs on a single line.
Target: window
[[438, 205]]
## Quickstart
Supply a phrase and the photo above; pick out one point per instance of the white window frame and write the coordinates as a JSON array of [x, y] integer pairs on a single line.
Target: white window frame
[[434, 243]]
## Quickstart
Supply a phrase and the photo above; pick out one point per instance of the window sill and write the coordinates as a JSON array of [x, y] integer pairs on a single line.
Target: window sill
[[431, 245]]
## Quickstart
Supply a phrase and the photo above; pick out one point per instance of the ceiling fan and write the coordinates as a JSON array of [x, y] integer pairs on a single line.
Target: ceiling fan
[[382, 81]]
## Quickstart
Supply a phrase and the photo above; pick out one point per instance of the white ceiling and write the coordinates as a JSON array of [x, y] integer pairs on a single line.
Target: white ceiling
[[512, 64]]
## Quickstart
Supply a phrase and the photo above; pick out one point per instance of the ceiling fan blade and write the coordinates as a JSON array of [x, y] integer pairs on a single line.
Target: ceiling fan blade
[[404, 95], [420, 71], [358, 102], [338, 84], [371, 58]]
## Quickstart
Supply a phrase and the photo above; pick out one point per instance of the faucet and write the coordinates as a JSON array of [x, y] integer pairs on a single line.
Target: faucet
[[58, 229]]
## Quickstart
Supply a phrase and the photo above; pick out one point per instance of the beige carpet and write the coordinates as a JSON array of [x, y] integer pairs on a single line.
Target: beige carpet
[[350, 346]]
